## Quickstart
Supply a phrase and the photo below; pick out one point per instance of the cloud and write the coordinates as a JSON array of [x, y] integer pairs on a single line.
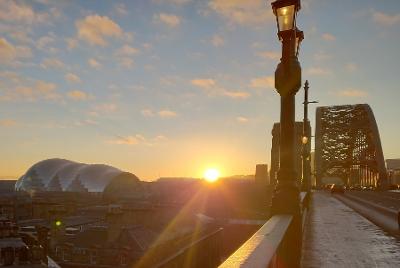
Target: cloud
[[94, 63], [174, 2], [170, 20], [212, 89], [52, 63], [72, 78], [103, 108], [318, 71], [77, 95], [71, 43], [127, 50], [32, 91], [167, 113], [126, 62], [236, 94], [45, 41], [8, 123], [351, 67], [9, 52], [351, 92], [242, 119], [94, 29], [263, 82], [203, 83], [15, 11], [128, 140], [147, 113], [137, 139], [386, 19], [321, 56], [121, 9], [328, 37], [270, 55], [217, 41], [250, 12]]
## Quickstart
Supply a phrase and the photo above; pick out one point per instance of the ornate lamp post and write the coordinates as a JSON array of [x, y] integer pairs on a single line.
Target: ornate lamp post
[[286, 199]]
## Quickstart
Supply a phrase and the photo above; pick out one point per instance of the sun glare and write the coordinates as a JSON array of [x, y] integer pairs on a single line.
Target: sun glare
[[211, 175]]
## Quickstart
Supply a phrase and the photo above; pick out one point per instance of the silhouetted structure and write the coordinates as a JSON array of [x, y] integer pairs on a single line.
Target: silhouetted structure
[[275, 150], [67, 176], [261, 177], [348, 146]]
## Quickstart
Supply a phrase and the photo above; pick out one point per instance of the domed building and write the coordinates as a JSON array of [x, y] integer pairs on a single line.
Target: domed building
[[65, 175]]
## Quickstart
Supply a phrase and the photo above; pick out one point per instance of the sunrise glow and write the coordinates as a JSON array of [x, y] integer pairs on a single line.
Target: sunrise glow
[[211, 175]]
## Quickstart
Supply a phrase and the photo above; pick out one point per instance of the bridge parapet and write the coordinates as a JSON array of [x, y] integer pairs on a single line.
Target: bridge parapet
[[269, 246]]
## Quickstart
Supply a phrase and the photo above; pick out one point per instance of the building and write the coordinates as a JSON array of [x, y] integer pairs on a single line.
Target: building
[[261, 177], [60, 175], [393, 168]]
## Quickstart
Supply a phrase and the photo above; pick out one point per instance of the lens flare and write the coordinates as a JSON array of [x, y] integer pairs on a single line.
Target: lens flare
[[211, 175]]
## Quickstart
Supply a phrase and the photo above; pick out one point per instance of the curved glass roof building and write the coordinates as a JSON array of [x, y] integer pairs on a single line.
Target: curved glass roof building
[[64, 175]]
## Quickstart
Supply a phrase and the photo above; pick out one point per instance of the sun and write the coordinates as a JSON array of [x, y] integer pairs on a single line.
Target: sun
[[211, 175]]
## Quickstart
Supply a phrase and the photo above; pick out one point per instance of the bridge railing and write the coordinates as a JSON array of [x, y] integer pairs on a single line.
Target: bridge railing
[[270, 245]]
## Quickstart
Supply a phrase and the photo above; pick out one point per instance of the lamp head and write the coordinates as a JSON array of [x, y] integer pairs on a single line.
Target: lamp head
[[285, 12]]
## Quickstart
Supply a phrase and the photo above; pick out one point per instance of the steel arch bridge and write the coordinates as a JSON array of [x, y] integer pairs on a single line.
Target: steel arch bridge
[[348, 146]]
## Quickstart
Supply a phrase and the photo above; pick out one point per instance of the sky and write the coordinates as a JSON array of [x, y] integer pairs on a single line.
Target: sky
[[165, 88]]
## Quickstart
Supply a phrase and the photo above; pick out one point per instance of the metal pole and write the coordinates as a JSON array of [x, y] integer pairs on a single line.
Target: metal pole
[[306, 183], [286, 198]]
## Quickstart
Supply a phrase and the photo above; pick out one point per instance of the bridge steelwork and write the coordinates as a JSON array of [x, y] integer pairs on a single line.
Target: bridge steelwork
[[348, 146]]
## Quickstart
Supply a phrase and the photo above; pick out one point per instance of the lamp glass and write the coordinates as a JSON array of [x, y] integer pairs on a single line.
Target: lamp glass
[[285, 16], [299, 38], [304, 140]]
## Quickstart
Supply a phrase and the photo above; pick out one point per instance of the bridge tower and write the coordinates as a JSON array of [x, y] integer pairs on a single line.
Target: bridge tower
[[348, 146]]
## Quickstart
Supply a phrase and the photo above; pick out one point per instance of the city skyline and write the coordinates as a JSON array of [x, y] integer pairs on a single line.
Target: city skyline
[[168, 88]]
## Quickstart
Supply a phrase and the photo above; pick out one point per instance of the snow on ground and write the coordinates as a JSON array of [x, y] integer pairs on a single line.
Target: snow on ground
[[337, 236]]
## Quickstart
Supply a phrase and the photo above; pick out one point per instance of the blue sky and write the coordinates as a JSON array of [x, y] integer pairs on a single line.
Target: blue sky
[[171, 87]]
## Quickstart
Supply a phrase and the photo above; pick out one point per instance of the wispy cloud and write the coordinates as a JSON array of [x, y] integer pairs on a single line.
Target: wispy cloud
[[127, 50], [39, 90], [318, 71], [9, 52], [147, 113], [121, 9], [321, 56], [210, 87], [103, 108], [204, 83], [351, 67], [242, 119], [16, 11], [352, 92], [167, 113], [169, 20], [263, 82], [8, 123], [173, 2], [386, 19], [250, 12], [269, 55], [52, 63], [217, 41], [94, 29], [72, 78], [78, 95], [328, 37], [137, 139], [94, 63]]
